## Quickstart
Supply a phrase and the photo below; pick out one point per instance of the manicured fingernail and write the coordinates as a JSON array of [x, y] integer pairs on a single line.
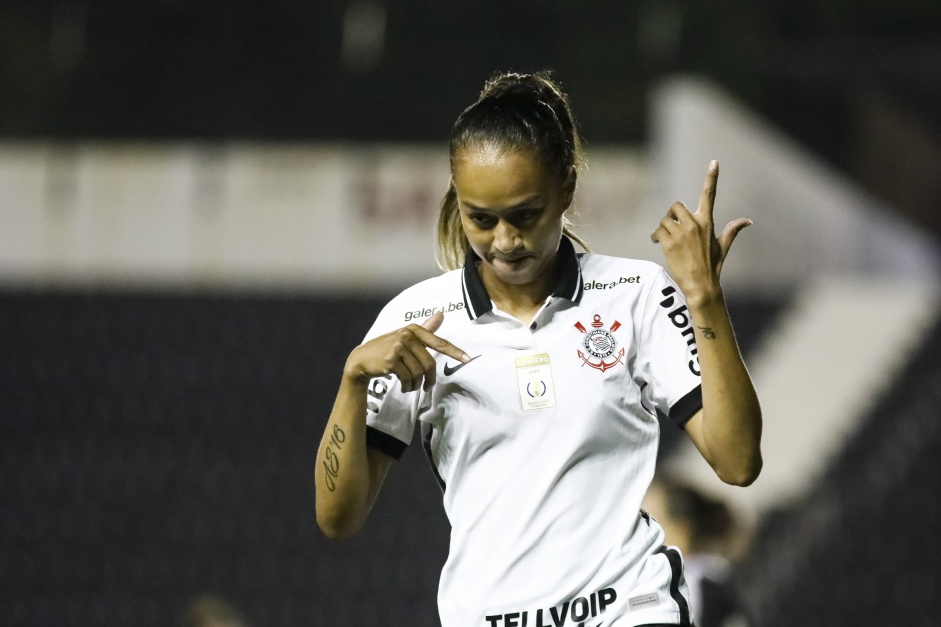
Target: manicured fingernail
[[465, 357]]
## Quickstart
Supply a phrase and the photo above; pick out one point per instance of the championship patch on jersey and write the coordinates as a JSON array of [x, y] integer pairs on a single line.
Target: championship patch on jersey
[[600, 345], [534, 377]]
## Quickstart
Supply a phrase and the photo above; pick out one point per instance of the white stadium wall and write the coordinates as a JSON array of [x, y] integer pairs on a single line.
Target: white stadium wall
[[230, 215], [809, 219], [361, 217], [319, 217]]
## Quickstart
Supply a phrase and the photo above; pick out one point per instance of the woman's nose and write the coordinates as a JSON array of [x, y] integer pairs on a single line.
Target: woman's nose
[[506, 237]]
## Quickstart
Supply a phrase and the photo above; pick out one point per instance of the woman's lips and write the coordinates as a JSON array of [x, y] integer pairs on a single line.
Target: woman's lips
[[510, 261]]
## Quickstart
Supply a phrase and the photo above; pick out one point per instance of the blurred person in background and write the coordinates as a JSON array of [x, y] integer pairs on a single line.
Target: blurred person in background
[[706, 533], [537, 377], [211, 611]]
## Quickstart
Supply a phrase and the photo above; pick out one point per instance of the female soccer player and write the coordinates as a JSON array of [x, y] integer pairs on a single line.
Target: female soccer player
[[537, 381]]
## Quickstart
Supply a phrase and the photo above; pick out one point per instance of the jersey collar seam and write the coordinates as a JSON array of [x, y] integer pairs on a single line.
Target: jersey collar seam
[[477, 301]]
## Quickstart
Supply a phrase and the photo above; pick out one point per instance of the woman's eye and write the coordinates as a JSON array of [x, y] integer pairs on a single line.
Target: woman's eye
[[527, 216], [482, 220]]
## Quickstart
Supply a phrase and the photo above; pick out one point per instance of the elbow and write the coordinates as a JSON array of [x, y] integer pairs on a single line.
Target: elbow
[[331, 528], [334, 532], [335, 523], [336, 527], [742, 475]]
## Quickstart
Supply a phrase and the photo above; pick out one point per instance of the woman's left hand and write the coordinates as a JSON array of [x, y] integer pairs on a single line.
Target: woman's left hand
[[727, 430], [694, 254]]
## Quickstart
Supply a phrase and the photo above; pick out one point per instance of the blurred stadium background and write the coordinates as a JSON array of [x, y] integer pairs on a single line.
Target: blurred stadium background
[[203, 206]]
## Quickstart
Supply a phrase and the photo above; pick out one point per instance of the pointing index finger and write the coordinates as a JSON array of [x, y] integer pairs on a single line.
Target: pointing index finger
[[708, 198], [440, 344]]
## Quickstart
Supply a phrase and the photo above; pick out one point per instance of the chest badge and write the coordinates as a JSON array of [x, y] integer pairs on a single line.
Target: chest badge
[[600, 345], [534, 376]]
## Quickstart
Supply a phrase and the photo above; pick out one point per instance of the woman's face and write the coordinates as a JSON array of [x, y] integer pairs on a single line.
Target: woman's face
[[511, 209]]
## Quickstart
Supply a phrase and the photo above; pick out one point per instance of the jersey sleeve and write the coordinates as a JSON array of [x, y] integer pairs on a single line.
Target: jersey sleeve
[[667, 364], [390, 414]]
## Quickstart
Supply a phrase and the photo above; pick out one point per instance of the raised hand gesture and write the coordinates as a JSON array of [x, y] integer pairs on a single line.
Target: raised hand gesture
[[404, 353], [694, 254]]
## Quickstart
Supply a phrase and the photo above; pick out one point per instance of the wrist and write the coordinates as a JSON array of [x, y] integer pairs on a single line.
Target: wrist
[[354, 377], [705, 299]]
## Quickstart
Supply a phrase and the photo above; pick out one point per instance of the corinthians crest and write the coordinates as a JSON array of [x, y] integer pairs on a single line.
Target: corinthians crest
[[600, 345]]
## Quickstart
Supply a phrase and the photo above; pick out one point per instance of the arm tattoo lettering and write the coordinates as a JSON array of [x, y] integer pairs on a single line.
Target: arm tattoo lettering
[[332, 467], [338, 436], [708, 333], [331, 464]]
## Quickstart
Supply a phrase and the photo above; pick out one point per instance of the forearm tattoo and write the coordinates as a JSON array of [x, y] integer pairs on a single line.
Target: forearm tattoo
[[331, 463], [708, 333]]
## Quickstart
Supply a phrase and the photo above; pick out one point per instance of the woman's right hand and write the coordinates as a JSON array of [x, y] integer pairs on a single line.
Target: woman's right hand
[[403, 353]]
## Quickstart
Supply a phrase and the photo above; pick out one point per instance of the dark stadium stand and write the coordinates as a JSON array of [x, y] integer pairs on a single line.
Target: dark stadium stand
[[863, 548], [154, 447]]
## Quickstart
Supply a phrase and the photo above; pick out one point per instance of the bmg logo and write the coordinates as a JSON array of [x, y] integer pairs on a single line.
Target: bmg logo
[[681, 320]]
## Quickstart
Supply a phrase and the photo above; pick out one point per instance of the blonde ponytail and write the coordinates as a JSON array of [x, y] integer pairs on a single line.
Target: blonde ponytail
[[452, 243]]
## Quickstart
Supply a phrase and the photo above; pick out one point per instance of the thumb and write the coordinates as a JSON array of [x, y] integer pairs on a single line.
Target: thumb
[[729, 233], [434, 322]]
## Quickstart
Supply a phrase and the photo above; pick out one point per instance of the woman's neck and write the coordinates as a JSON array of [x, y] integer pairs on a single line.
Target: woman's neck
[[520, 301]]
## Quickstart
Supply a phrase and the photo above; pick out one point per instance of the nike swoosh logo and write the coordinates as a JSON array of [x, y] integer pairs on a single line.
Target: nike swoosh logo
[[448, 370]]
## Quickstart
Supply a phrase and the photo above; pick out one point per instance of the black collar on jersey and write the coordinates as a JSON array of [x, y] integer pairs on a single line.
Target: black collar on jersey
[[477, 301]]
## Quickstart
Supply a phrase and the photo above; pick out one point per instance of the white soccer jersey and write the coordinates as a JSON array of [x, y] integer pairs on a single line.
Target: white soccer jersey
[[545, 443]]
